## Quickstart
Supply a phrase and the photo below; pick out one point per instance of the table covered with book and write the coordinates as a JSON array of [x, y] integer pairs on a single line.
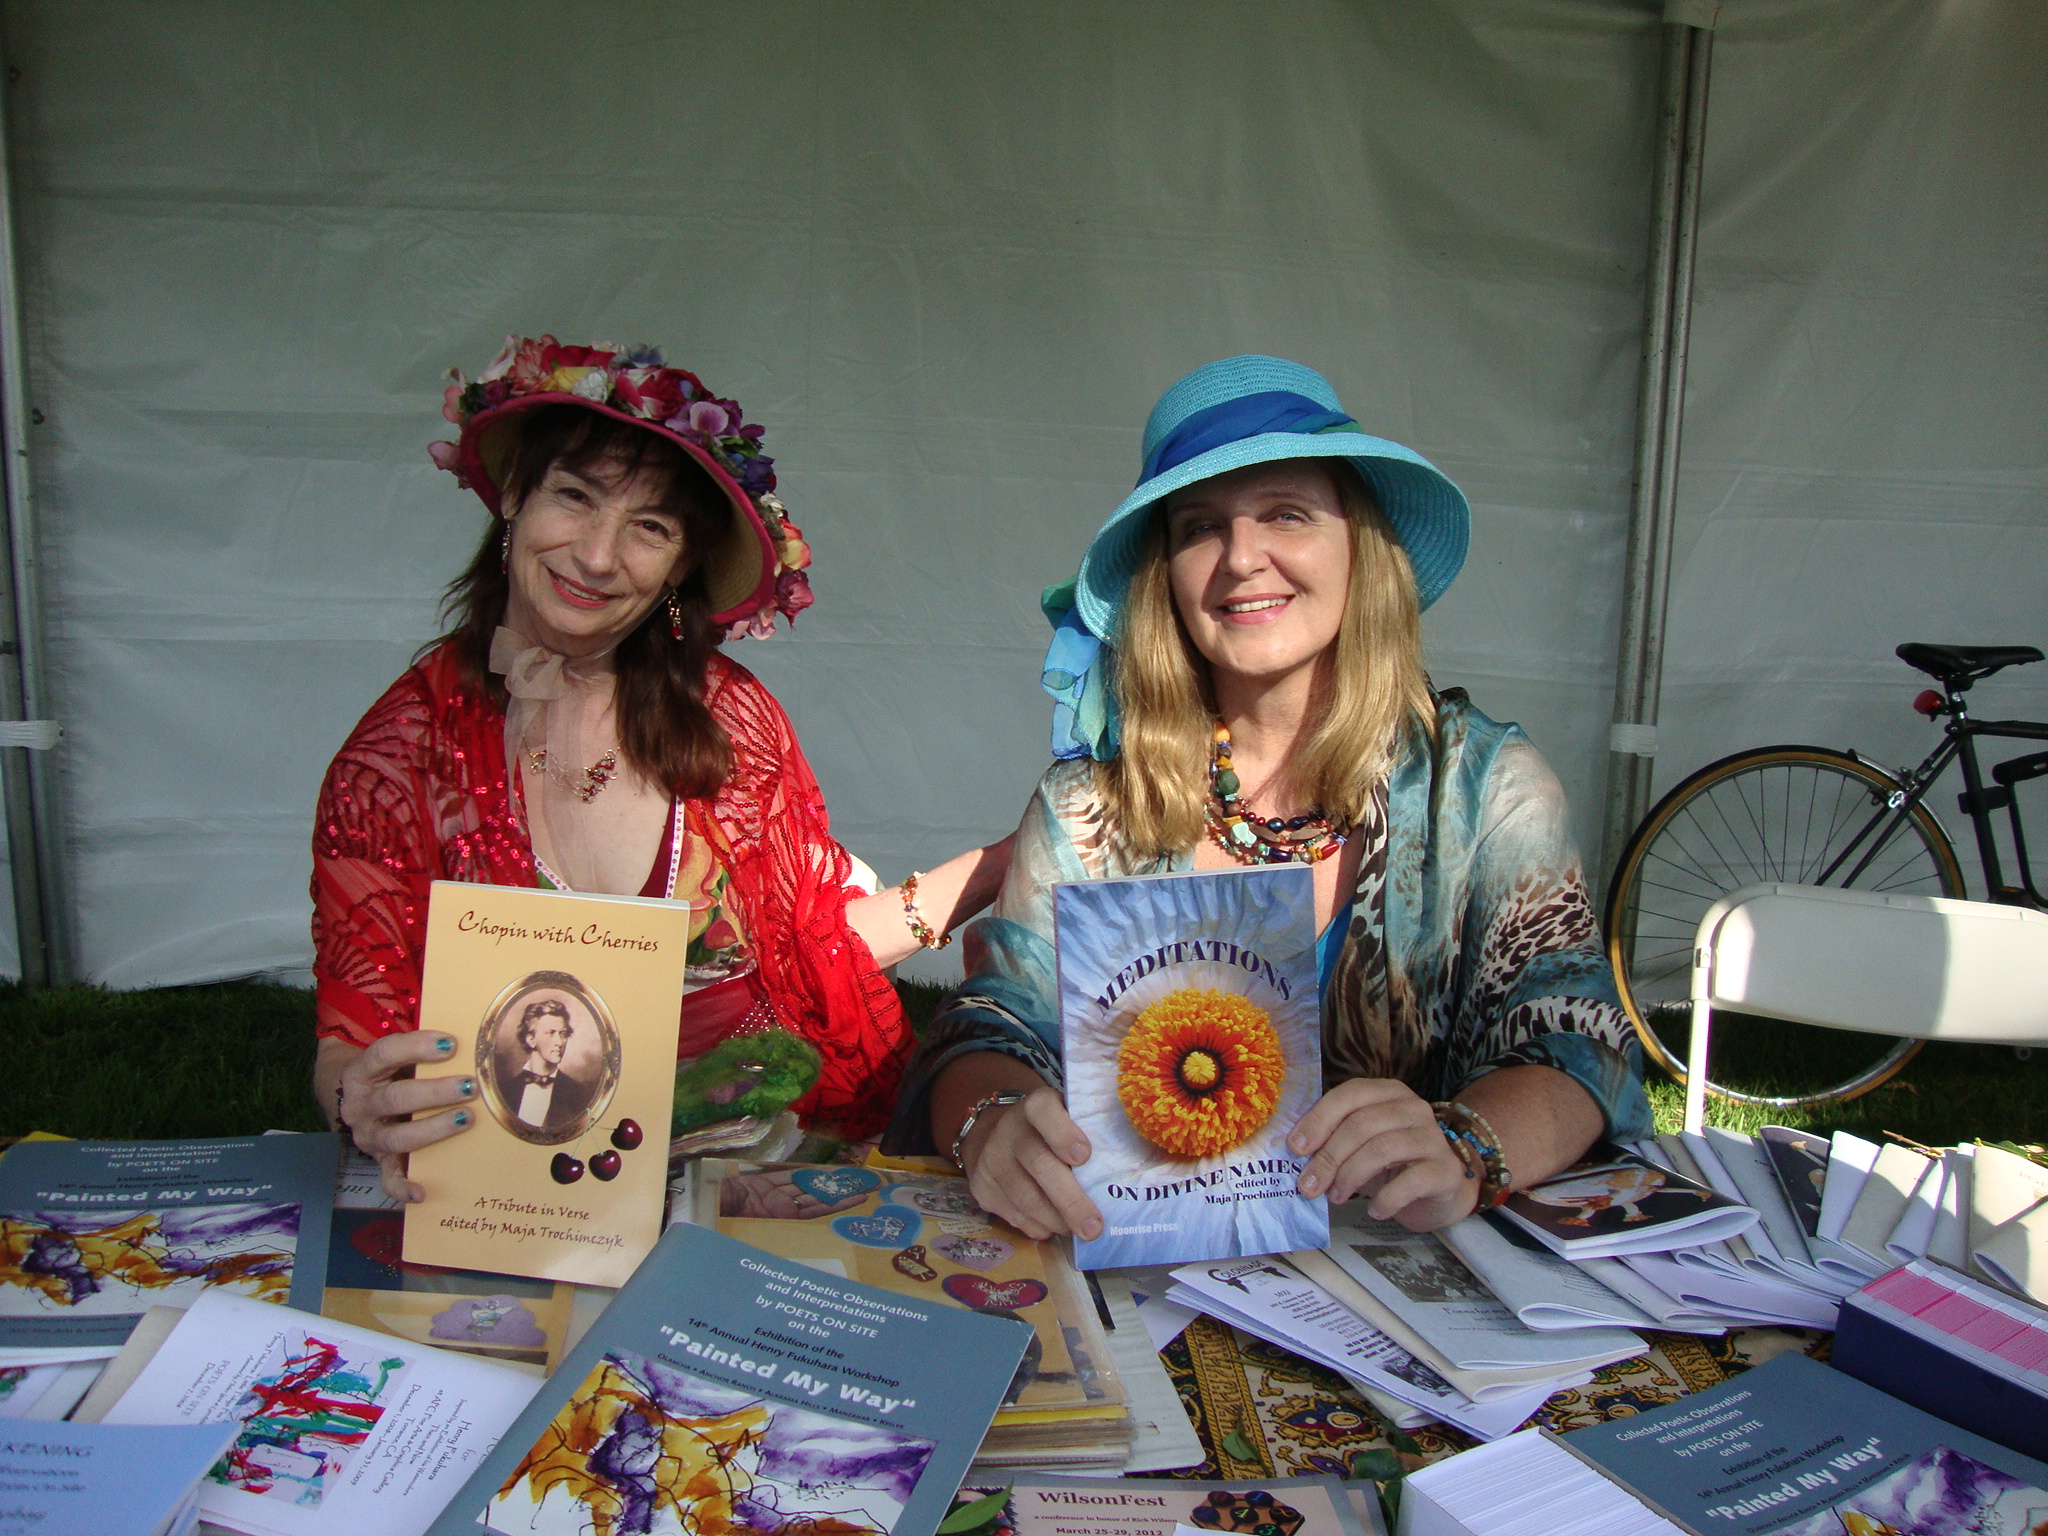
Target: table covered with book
[[313, 1333], [612, 1315]]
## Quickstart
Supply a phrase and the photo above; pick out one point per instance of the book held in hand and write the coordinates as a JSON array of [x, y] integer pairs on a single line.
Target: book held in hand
[[726, 1389], [95, 1233], [1613, 1202], [565, 1010], [1189, 1022]]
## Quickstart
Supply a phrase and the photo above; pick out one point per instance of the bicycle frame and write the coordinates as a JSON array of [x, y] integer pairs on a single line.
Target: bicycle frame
[[1959, 737]]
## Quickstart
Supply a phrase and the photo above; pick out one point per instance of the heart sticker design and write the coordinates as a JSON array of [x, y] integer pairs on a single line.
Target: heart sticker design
[[993, 1295], [912, 1262], [887, 1226], [903, 1189], [946, 1202], [976, 1252], [829, 1186], [962, 1226]]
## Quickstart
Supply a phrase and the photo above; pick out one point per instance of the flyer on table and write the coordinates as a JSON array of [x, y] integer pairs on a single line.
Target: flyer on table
[[564, 1010], [343, 1432], [1191, 1030], [95, 1233], [1043, 1505]]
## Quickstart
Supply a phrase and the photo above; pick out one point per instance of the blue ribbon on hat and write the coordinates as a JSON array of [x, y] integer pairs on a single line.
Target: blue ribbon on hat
[[1232, 421], [1083, 715]]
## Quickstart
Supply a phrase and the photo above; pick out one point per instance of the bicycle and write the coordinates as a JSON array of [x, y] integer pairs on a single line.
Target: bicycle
[[1810, 815]]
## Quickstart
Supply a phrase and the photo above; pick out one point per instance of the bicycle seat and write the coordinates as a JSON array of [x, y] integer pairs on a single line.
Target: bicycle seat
[[1961, 665]]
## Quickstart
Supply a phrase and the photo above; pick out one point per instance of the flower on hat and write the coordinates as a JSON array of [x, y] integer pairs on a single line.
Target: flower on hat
[[635, 382]]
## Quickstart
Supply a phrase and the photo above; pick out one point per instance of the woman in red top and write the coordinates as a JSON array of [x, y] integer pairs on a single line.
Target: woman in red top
[[634, 527]]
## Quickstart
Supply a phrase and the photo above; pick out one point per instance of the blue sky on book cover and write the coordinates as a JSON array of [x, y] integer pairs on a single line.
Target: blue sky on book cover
[[1191, 1030]]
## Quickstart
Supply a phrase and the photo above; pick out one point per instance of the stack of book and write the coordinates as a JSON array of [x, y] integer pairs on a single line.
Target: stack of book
[[1941, 1341], [1456, 1359], [95, 1233], [920, 1234], [1701, 1234]]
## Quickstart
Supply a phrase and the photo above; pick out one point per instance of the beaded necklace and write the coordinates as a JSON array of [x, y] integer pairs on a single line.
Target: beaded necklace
[[1251, 839]]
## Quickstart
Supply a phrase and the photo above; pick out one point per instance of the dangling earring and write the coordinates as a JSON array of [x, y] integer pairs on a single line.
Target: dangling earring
[[675, 615], [505, 549]]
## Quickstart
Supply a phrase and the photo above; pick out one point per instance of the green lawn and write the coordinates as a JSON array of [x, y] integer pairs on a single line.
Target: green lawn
[[236, 1058]]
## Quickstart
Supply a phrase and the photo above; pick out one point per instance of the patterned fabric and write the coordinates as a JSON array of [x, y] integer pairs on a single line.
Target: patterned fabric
[[1262, 1411], [419, 793], [1472, 943]]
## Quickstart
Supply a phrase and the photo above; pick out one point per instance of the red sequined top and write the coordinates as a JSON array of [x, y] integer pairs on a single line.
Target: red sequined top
[[419, 793]]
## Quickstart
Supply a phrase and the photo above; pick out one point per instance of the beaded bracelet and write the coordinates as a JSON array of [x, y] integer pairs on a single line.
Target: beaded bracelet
[[1002, 1100], [1465, 1127], [920, 930]]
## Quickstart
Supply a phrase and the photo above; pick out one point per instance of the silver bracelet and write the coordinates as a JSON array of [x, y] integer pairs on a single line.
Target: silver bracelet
[[1002, 1100]]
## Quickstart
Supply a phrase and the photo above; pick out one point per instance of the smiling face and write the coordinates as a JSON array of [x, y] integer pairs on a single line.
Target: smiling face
[[593, 549], [1259, 563]]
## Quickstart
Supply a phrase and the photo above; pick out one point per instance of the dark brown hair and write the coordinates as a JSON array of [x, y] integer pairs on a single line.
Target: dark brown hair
[[665, 728]]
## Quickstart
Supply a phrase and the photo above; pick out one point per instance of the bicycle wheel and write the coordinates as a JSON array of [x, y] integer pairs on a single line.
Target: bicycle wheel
[[1768, 814]]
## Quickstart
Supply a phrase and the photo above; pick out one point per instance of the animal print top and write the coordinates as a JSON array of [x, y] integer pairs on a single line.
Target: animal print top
[[1472, 943]]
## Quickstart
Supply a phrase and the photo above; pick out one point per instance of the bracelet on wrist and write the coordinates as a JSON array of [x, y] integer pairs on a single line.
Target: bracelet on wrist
[[986, 1102], [920, 930], [1468, 1131]]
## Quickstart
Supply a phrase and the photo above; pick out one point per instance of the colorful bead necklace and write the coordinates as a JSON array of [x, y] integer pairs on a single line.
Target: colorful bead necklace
[[1253, 839]]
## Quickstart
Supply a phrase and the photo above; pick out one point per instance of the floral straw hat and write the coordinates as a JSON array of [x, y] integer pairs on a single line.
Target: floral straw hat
[[1224, 416], [758, 568]]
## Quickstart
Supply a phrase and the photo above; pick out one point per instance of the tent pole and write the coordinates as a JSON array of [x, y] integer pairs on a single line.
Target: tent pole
[[1660, 407], [35, 828]]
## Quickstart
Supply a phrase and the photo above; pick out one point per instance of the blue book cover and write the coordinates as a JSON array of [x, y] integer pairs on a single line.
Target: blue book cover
[[1794, 1448], [1192, 1037], [95, 1233], [726, 1389], [103, 1477]]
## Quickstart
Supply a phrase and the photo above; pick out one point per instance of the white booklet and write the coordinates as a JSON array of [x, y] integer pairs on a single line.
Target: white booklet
[[343, 1431], [1268, 1298], [1546, 1292], [1430, 1289], [1746, 1166]]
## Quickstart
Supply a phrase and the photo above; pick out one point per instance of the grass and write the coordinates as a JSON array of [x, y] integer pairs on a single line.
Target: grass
[[225, 1060], [1944, 1095], [236, 1058]]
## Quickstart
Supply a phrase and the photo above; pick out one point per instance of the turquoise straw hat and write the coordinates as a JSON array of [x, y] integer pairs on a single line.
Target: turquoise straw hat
[[1224, 416]]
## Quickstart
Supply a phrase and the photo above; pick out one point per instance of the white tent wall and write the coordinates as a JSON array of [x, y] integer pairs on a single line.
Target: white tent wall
[[948, 253], [1866, 439]]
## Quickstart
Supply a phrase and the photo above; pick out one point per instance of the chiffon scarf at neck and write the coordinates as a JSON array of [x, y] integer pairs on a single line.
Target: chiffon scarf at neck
[[554, 731]]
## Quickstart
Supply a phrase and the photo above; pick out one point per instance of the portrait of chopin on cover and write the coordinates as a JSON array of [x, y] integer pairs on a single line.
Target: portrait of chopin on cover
[[548, 1055]]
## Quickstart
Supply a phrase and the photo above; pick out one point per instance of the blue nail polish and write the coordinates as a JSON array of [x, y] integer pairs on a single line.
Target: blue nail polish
[[468, 1089], [444, 1045], [462, 1117]]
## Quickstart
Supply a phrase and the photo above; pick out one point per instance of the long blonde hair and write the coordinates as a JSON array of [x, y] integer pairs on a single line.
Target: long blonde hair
[[1372, 685]]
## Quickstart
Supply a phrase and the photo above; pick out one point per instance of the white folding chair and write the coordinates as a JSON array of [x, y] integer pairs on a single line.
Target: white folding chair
[[1926, 967]]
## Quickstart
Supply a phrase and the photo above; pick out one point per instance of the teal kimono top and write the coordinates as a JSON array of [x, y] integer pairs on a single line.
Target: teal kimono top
[[1470, 942]]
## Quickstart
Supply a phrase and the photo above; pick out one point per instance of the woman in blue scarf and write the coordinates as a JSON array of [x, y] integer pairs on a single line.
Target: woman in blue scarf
[[1238, 677]]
